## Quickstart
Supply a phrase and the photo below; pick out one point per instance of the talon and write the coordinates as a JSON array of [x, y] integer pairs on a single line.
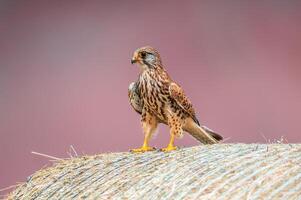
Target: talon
[[169, 148], [143, 149]]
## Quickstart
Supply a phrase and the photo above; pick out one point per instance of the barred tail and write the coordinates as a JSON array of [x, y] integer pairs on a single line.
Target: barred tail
[[213, 134], [204, 135]]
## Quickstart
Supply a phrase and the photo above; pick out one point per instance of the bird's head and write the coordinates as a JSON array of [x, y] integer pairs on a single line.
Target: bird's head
[[147, 57]]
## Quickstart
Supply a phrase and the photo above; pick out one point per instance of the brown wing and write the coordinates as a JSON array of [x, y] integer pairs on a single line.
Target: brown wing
[[178, 95]]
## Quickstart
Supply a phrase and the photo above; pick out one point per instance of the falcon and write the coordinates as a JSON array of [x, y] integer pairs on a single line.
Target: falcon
[[158, 99]]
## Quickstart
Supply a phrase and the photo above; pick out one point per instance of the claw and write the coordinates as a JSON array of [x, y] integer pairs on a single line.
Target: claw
[[169, 148], [143, 149]]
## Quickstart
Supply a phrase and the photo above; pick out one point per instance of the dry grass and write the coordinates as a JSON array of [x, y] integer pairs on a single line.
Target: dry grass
[[226, 171]]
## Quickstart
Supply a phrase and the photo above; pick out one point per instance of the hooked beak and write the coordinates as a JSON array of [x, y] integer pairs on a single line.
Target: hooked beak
[[135, 58], [133, 61]]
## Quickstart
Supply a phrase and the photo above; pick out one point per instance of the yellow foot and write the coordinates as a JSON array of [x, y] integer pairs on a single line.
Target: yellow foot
[[169, 148], [143, 149]]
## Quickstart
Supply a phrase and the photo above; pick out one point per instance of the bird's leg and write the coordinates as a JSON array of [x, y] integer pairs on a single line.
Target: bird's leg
[[145, 147], [149, 125], [170, 146], [175, 130]]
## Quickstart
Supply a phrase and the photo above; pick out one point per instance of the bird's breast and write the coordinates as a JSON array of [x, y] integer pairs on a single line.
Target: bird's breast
[[153, 96]]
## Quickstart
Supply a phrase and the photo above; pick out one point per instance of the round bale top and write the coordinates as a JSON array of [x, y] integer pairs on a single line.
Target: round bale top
[[221, 171]]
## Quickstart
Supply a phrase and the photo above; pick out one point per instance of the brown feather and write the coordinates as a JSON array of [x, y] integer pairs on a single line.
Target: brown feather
[[163, 100], [177, 93]]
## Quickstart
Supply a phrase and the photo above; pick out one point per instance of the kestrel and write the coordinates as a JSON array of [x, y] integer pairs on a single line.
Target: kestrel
[[160, 100]]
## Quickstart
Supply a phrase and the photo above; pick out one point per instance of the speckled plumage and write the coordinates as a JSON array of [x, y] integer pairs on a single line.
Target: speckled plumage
[[160, 100]]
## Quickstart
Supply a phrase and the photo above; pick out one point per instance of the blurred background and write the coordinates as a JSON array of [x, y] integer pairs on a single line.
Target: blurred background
[[65, 70]]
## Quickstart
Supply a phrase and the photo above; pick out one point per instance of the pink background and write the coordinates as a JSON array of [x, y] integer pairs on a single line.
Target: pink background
[[65, 69]]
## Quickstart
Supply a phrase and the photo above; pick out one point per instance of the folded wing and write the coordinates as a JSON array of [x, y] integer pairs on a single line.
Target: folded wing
[[134, 97], [192, 125], [177, 93]]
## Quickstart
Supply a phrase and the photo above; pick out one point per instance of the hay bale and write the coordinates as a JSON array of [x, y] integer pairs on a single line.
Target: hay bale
[[224, 171]]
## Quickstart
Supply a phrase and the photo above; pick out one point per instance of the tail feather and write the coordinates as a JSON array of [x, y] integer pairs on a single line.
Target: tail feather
[[213, 134], [200, 133]]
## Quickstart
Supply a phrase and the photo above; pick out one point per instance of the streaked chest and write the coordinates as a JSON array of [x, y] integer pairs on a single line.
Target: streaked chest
[[149, 86], [153, 92]]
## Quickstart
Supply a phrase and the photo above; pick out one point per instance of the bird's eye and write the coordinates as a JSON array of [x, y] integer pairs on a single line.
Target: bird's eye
[[143, 54]]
